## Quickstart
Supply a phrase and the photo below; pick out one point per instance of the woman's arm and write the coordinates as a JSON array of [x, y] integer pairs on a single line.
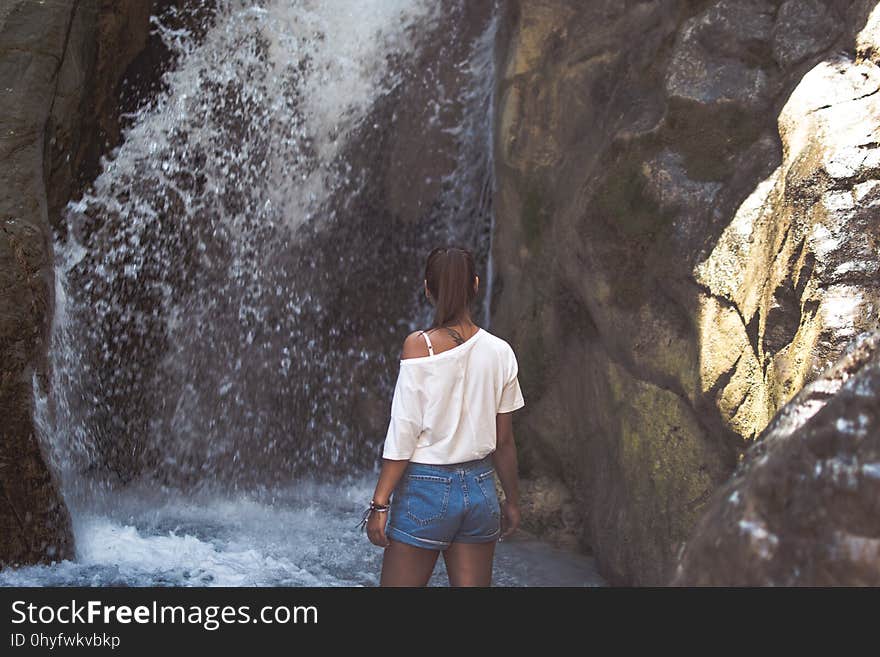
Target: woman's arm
[[504, 458], [391, 473], [392, 469]]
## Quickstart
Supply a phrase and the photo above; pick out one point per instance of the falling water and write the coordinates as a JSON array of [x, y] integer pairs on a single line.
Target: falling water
[[226, 293], [207, 325]]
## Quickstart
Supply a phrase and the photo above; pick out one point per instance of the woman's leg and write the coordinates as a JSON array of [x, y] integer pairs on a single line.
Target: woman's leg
[[407, 565], [469, 564]]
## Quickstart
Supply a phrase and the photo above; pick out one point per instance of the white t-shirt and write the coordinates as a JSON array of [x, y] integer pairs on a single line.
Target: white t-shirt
[[444, 406]]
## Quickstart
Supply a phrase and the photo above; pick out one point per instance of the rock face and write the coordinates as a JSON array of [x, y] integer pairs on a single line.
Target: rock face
[[684, 238], [803, 508], [59, 67]]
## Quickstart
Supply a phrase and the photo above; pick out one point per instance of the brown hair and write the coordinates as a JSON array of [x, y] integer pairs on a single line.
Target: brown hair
[[450, 273]]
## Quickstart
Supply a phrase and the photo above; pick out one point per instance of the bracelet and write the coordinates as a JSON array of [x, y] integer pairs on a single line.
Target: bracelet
[[379, 508]]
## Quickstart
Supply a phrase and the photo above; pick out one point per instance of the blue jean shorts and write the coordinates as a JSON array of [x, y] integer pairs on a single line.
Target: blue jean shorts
[[433, 505]]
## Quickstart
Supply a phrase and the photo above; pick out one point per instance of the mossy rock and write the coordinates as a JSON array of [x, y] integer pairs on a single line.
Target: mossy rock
[[537, 212], [623, 200]]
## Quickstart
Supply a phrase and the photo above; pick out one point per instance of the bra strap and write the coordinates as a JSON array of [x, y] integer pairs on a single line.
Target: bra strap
[[430, 346]]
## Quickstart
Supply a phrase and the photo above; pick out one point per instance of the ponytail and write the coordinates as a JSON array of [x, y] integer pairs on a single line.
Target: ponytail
[[450, 273]]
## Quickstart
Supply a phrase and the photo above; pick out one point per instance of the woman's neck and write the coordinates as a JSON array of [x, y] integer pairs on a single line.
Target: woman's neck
[[462, 322]]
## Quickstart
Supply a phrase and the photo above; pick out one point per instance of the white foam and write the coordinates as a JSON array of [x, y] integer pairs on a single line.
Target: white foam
[[305, 536]]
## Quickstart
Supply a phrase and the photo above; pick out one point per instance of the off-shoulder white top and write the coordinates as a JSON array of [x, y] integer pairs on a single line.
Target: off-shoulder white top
[[444, 405]]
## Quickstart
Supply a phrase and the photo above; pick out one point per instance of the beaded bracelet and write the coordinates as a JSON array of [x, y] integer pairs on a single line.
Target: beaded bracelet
[[379, 508]]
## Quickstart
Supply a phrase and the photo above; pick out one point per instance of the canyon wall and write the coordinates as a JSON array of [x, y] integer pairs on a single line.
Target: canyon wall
[[685, 236], [801, 508], [60, 66]]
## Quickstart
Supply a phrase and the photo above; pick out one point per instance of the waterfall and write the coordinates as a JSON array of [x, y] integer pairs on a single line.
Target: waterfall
[[232, 288]]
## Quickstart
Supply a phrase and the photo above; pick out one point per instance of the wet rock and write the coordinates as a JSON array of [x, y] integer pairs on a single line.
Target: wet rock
[[104, 37], [59, 66], [803, 507], [683, 240]]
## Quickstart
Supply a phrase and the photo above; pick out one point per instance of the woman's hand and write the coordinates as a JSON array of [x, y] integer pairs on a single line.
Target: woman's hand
[[392, 471], [376, 529], [509, 518]]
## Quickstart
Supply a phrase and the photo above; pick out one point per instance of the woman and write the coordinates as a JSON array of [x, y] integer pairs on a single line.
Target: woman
[[450, 432]]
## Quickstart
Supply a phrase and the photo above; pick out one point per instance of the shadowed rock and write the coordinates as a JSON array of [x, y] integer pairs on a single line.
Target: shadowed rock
[[59, 66]]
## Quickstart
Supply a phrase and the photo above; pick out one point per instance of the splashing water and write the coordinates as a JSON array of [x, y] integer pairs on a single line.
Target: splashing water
[[198, 333], [303, 536]]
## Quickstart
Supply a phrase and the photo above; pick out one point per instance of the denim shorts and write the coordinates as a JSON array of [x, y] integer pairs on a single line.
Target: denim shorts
[[434, 505]]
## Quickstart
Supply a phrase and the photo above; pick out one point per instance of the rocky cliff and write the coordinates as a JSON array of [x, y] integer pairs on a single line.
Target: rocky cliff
[[60, 65], [801, 508], [686, 236]]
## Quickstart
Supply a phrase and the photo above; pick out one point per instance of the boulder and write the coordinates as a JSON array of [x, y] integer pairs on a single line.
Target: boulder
[[803, 507]]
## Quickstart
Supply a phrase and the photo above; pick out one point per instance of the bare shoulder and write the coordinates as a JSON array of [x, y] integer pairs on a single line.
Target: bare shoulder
[[414, 346]]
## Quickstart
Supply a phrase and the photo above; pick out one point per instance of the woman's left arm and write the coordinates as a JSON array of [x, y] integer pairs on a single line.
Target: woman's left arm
[[392, 471]]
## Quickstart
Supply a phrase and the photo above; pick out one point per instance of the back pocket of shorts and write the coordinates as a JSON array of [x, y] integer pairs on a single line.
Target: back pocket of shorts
[[486, 482], [427, 497]]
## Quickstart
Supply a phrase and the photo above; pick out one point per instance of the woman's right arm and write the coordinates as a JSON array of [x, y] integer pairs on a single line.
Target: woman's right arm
[[401, 438], [504, 459]]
